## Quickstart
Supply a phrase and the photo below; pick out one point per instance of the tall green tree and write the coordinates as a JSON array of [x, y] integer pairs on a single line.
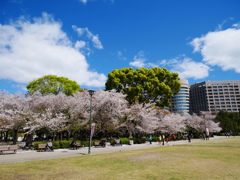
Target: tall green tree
[[144, 85], [229, 121], [52, 84]]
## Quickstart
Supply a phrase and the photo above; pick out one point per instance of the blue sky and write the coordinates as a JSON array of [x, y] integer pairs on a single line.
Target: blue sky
[[84, 40]]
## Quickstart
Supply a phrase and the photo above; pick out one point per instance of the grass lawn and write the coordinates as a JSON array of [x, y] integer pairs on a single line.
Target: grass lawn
[[216, 159]]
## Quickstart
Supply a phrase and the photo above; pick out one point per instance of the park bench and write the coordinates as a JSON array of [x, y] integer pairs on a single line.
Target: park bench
[[118, 142], [97, 143], [41, 147], [8, 148], [78, 144], [100, 143]]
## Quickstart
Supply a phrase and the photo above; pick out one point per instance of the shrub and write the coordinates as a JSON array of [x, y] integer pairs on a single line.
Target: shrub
[[64, 144], [125, 140], [85, 143], [55, 144], [112, 142], [139, 140], [35, 146]]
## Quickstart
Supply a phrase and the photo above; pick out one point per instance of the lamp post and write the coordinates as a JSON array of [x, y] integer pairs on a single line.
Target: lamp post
[[145, 95], [206, 129], [91, 92]]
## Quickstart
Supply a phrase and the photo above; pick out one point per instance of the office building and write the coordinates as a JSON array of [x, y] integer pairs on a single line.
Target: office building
[[215, 96], [180, 102]]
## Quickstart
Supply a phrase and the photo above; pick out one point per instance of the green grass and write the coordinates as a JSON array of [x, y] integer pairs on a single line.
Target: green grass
[[216, 159]]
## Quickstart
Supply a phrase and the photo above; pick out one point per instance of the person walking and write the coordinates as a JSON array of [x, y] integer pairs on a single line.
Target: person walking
[[207, 134], [163, 139], [160, 139], [150, 139], [166, 139], [189, 136]]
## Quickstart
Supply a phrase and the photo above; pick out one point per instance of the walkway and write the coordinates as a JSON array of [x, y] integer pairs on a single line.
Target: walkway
[[23, 156]]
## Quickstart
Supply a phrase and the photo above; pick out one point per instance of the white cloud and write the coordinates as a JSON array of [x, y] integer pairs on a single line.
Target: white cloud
[[121, 56], [236, 25], [220, 26], [83, 1], [139, 61], [94, 38], [20, 88], [187, 68], [220, 48], [191, 69], [168, 62], [29, 50], [80, 44], [82, 47]]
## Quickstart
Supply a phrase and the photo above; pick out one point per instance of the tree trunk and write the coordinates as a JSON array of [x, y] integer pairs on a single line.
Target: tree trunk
[[61, 136], [1, 135], [6, 136], [68, 135], [15, 136], [53, 136]]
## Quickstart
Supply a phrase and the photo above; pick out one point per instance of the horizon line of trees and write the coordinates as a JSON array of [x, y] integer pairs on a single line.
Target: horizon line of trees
[[41, 114], [133, 103]]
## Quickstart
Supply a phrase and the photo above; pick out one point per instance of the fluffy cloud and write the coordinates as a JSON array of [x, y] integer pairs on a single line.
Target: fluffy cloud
[[83, 1], [220, 48], [187, 68], [29, 50], [94, 38], [139, 61]]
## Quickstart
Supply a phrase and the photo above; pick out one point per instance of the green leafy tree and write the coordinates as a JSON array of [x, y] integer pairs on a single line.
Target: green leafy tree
[[53, 84], [144, 85], [229, 121]]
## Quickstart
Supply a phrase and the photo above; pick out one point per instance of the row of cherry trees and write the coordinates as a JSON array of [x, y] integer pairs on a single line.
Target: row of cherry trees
[[111, 112]]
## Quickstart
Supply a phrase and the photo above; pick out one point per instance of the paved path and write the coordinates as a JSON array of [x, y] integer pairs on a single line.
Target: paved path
[[23, 156]]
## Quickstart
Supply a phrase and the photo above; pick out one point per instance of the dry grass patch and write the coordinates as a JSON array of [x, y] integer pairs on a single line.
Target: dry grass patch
[[218, 159]]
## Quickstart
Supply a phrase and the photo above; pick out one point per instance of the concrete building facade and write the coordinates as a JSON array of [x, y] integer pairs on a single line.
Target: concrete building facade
[[215, 96], [180, 102]]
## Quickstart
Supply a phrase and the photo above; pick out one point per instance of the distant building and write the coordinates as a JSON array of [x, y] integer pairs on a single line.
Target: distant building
[[215, 96], [180, 102]]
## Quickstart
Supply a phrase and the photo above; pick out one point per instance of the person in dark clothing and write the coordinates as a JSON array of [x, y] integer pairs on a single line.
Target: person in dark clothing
[[118, 142], [163, 139], [189, 136], [73, 145]]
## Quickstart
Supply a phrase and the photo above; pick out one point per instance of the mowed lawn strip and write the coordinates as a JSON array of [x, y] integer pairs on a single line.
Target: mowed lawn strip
[[215, 159]]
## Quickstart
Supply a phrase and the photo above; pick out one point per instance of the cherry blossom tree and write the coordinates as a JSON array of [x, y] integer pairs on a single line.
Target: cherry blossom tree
[[108, 109], [48, 112], [173, 123], [193, 122], [78, 113], [111, 112], [78, 109], [199, 123], [14, 113], [208, 118], [140, 119]]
